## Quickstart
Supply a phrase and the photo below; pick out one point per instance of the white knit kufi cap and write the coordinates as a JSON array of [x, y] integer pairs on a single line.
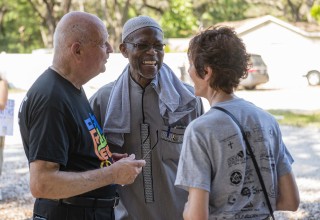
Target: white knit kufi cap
[[136, 23]]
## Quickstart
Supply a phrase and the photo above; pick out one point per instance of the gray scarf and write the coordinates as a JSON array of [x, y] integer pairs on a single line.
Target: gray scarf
[[175, 102]]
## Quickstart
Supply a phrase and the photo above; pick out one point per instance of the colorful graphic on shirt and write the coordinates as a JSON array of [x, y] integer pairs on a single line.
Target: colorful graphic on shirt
[[101, 147]]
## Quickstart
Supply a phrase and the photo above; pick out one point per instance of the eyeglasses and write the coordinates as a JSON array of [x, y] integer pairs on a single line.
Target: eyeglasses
[[139, 46], [144, 156]]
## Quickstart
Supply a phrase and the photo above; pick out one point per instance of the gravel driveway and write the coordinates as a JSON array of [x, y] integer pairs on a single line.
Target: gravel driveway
[[303, 143], [16, 202]]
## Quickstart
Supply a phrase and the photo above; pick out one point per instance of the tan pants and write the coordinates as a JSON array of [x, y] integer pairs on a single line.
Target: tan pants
[[1, 152]]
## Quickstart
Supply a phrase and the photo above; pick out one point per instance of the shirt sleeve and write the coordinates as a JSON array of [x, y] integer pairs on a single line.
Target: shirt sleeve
[[194, 168], [49, 136], [285, 159]]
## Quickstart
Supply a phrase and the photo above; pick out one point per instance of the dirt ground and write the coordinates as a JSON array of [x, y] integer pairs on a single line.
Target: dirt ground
[[303, 143]]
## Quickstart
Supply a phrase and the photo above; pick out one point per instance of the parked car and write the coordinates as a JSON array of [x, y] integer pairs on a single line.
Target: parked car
[[257, 74], [313, 77]]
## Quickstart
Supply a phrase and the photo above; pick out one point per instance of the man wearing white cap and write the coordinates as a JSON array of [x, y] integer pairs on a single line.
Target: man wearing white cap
[[145, 112]]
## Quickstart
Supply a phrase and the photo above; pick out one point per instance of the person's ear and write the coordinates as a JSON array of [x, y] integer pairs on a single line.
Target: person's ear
[[208, 73], [76, 48], [123, 49]]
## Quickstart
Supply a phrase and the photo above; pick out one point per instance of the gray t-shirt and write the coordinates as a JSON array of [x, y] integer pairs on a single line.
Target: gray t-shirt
[[214, 158]]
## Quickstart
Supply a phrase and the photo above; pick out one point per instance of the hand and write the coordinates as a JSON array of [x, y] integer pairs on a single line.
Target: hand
[[125, 170], [117, 156]]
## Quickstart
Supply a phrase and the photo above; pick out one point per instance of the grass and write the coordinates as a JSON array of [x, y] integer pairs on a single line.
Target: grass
[[297, 118], [15, 90]]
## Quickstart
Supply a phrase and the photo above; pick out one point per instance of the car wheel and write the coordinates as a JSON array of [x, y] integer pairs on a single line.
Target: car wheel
[[249, 87], [313, 78]]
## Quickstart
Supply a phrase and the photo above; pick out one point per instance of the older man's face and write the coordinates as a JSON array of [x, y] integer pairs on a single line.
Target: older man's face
[[145, 53]]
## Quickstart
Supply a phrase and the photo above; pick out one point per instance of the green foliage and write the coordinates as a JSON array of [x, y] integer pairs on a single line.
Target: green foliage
[[212, 12], [315, 12], [179, 21], [20, 31], [300, 119]]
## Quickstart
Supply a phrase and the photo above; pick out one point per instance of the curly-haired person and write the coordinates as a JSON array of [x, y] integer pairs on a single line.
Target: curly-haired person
[[216, 165]]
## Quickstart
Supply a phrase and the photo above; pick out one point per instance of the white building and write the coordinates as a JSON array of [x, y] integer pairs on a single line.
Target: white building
[[290, 51]]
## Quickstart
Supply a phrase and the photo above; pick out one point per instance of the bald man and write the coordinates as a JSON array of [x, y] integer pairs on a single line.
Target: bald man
[[73, 175]]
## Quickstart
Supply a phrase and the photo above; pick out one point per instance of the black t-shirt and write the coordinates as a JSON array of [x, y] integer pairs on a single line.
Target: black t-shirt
[[57, 124]]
